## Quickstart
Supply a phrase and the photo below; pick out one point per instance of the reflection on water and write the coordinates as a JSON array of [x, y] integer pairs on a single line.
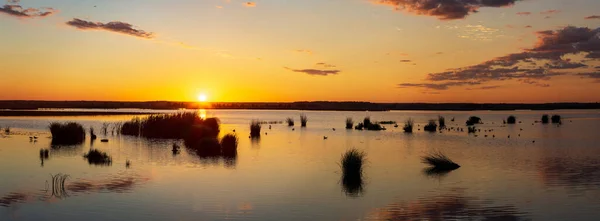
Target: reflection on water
[[450, 206], [579, 173], [353, 185]]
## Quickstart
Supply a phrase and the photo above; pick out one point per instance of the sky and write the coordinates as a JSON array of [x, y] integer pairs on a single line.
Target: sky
[[510, 51]]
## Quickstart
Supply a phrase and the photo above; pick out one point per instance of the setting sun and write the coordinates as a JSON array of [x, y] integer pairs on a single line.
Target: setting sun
[[202, 98]]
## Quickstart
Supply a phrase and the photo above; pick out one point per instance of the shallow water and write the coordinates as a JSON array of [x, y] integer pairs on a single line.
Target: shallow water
[[294, 174]]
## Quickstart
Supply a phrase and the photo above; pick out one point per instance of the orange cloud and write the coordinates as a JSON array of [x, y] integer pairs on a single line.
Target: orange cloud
[[114, 26], [250, 4]]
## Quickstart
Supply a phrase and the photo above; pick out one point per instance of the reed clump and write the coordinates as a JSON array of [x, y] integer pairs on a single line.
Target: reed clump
[[290, 121], [511, 119], [408, 125], [473, 120], [556, 119], [442, 122], [349, 123], [303, 120], [255, 129], [545, 119], [439, 161], [431, 126], [98, 157], [352, 163], [67, 133]]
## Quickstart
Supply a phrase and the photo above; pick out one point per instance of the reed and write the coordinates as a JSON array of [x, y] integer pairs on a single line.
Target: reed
[[431, 126], [349, 123], [408, 125], [290, 121], [556, 119], [303, 120], [352, 171], [67, 134], [229, 144], [97, 157], [439, 161], [511, 119], [442, 122], [255, 129], [473, 120], [545, 119]]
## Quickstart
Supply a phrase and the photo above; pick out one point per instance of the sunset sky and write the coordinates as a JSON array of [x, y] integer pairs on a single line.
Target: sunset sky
[[301, 50]]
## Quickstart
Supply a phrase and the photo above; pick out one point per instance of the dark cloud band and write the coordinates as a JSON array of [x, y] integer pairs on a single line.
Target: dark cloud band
[[114, 26], [444, 9]]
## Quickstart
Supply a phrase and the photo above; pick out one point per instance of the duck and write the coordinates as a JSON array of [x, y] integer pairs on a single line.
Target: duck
[[324, 137]]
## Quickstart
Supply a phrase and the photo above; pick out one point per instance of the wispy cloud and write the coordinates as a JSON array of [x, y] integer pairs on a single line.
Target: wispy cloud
[[12, 8], [405, 61], [315, 72], [325, 65], [250, 4], [591, 75], [444, 9], [541, 62], [592, 17], [438, 86], [484, 88], [304, 51], [550, 12], [114, 26], [523, 13]]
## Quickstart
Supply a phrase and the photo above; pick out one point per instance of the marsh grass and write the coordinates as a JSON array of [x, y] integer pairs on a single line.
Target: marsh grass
[[556, 119], [511, 120], [349, 123], [387, 122], [255, 129], [229, 144], [439, 162], [367, 121], [442, 122], [408, 125], [67, 133], [290, 121], [473, 120], [303, 120], [472, 129], [431, 126], [44, 153], [97, 157], [352, 163], [7, 130], [545, 119]]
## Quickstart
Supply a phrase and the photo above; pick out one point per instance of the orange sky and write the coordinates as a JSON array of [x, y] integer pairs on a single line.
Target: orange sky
[[354, 50]]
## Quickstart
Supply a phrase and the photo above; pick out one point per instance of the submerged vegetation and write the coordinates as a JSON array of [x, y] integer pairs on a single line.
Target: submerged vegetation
[[511, 119], [556, 119], [303, 120], [97, 157], [255, 129], [473, 120], [352, 171], [290, 121], [349, 123], [431, 126], [545, 119], [67, 133], [442, 122], [439, 162], [408, 125]]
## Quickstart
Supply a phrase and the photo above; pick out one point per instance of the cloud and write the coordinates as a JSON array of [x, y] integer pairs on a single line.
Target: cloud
[[593, 17], [533, 82], [13, 9], [325, 65], [304, 51], [405, 61], [444, 9], [541, 62], [315, 72], [250, 4], [591, 75], [114, 26], [483, 88], [523, 13], [549, 12], [528, 26], [438, 86]]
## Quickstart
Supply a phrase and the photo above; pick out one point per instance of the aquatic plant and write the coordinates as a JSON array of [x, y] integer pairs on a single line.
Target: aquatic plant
[[359, 126], [97, 157], [511, 119], [229, 144], [387, 122], [92, 134], [44, 153], [7, 130], [349, 123], [367, 122], [104, 128], [408, 125], [186, 125], [67, 133], [442, 122], [556, 119], [352, 162], [472, 129], [375, 127], [439, 161], [255, 129], [545, 119], [303, 120], [431, 126], [473, 120], [290, 121]]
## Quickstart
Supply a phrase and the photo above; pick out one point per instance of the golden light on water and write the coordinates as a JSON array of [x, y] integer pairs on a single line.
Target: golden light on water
[[202, 113]]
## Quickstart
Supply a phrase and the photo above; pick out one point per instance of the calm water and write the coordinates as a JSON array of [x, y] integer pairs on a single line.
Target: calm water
[[294, 174]]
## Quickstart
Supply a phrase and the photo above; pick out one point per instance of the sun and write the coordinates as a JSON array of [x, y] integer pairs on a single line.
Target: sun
[[202, 98]]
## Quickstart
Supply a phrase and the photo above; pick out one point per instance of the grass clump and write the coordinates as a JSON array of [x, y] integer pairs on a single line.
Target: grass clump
[[408, 125], [349, 123], [556, 119], [290, 121], [442, 122], [431, 126], [352, 171], [170, 126], [545, 119], [229, 144], [368, 125], [439, 161], [68, 133], [97, 157], [473, 120], [387, 122], [472, 129], [367, 121], [303, 120], [511, 119], [255, 129]]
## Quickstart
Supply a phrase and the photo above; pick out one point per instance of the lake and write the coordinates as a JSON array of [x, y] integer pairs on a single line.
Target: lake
[[525, 171]]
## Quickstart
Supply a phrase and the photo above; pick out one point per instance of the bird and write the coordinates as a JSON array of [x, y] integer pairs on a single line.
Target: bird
[[508, 136], [266, 133], [234, 130], [519, 135], [493, 136], [485, 135], [533, 141], [127, 163], [293, 129], [324, 138], [333, 129], [34, 137], [269, 127]]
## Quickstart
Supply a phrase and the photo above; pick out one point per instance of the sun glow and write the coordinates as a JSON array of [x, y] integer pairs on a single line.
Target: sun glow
[[202, 98]]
